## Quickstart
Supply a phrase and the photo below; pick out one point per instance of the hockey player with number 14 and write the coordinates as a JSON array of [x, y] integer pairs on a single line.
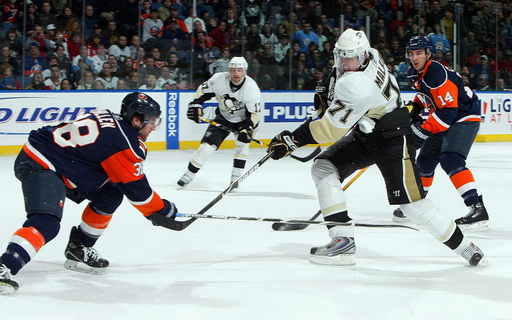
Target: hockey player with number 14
[[239, 109], [369, 124], [98, 157]]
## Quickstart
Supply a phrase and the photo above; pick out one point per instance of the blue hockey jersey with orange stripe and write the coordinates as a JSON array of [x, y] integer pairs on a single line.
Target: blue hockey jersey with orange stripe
[[451, 100], [95, 149]]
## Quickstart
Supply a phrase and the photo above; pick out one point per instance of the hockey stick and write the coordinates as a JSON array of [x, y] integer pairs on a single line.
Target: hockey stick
[[322, 223], [180, 225], [279, 226], [301, 159]]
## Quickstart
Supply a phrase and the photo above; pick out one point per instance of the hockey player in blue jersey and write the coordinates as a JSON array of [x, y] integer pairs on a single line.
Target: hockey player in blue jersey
[[448, 133], [98, 157]]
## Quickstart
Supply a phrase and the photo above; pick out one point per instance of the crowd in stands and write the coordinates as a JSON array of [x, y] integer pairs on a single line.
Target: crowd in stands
[[165, 44]]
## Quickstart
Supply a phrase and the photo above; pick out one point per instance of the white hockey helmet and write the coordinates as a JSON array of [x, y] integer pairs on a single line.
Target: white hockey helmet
[[352, 43], [238, 62]]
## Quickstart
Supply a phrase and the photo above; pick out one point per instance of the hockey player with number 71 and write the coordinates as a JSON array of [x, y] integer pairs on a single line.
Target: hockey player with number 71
[[98, 157], [369, 124]]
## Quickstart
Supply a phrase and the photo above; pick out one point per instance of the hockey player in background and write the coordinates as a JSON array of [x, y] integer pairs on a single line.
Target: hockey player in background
[[448, 133], [98, 157], [369, 124], [239, 109]]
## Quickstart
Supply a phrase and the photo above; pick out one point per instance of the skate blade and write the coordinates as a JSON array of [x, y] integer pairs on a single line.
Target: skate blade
[[7, 288], [337, 260], [400, 219], [477, 226], [82, 267]]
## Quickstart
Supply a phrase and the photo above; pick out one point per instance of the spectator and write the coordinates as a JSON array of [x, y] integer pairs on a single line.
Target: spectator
[[469, 48], [175, 37], [8, 80], [37, 83], [93, 43], [191, 20], [37, 37], [74, 45], [81, 63], [34, 61], [252, 14], [86, 81], [253, 38], [111, 34], [305, 36], [149, 66], [153, 27], [46, 16], [65, 84], [165, 77], [150, 83], [281, 50], [62, 60], [267, 36], [31, 17], [291, 25], [157, 55], [106, 76], [120, 49], [6, 57], [267, 60], [12, 40], [98, 85], [501, 85], [128, 17], [446, 24], [220, 36], [179, 22], [177, 68], [48, 72], [134, 46], [439, 39], [481, 77], [122, 85], [125, 69], [321, 36], [73, 27], [99, 59], [165, 10], [64, 17], [434, 13], [53, 82], [276, 17], [221, 64], [301, 77]]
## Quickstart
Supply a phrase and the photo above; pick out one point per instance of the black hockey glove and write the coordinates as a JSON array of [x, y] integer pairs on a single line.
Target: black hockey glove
[[415, 111], [283, 145], [245, 133], [420, 134], [195, 112], [320, 101], [164, 216]]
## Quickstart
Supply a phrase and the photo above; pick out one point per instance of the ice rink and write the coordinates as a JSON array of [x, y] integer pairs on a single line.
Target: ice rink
[[225, 270]]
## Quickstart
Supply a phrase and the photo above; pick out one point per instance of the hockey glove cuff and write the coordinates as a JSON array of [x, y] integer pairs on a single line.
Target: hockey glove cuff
[[162, 217], [283, 145], [320, 101], [245, 133], [195, 112], [415, 111], [420, 134]]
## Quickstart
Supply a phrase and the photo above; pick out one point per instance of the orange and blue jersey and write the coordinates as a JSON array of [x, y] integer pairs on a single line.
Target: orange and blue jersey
[[93, 150], [451, 100]]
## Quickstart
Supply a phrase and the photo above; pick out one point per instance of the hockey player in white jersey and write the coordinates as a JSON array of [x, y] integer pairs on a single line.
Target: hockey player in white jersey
[[369, 124], [239, 109]]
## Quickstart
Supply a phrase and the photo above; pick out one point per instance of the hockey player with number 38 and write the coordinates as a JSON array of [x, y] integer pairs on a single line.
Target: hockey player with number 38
[[370, 125], [98, 157], [239, 110]]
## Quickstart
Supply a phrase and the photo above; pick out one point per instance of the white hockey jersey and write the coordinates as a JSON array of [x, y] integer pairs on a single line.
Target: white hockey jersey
[[358, 98], [233, 105]]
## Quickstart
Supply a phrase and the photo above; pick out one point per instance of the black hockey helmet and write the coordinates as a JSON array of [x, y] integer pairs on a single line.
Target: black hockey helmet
[[138, 103], [419, 42]]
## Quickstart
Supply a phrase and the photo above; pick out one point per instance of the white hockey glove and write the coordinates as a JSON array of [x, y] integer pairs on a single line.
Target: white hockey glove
[[195, 112]]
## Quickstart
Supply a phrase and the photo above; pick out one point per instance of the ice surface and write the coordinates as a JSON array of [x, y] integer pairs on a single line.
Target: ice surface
[[240, 270]]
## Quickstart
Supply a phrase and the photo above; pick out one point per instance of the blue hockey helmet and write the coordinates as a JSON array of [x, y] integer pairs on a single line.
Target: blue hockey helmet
[[419, 42], [139, 104]]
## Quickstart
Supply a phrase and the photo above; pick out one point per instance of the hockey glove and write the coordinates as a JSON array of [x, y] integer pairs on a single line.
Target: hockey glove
[[283, 145], [195, 112], [415, 111], [245, 133], [320, 101], [420, 134], [164, 216]]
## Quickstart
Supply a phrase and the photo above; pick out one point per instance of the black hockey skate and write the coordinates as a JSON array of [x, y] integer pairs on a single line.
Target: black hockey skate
[[399, 217], [476, 220], [83, 259], [7, 285]]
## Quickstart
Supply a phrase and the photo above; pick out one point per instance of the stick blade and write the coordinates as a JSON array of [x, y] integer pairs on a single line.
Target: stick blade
[[279, 226]]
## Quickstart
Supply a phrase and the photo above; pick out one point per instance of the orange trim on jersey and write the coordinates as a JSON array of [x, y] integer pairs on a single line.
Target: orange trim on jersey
[[461, 178], [33, 236], [154, 205], [427, 181], [95, 220], [123, 166], [34, 157]]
